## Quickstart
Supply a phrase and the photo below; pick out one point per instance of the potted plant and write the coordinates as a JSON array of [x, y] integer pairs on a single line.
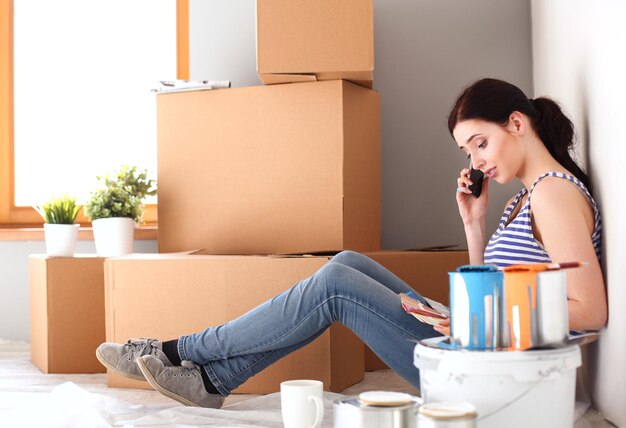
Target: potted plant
[[115, 208], [61, 234]]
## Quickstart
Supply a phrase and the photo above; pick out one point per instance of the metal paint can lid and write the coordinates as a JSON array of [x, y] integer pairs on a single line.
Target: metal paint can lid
[[447, 411], [385, 398]]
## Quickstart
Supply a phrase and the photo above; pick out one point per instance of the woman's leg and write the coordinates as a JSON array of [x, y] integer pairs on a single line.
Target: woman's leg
[[376, 271], [261, 360], [234, 351]]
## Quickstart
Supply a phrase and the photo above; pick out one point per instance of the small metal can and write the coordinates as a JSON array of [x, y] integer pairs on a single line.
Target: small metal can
[[350, 412], [446, 415]]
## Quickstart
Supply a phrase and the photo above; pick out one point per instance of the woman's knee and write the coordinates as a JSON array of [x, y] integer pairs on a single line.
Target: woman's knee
[[348, 258], [334, 276], [330, 271]]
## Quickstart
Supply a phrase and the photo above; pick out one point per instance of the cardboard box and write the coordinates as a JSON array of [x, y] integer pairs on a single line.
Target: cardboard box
[[425, 271], [168, 295], [66, 313], [299, 40], [291, 168]]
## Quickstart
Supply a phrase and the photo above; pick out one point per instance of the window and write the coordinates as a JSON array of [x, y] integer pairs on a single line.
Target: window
[[75, 100]]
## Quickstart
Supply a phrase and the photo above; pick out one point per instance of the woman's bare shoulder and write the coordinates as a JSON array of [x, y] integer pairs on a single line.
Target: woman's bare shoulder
[[557, 198]]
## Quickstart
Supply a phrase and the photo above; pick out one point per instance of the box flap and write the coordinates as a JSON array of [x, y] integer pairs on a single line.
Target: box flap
[[323, 253], [361, 78], [273, 79], [440, 248]]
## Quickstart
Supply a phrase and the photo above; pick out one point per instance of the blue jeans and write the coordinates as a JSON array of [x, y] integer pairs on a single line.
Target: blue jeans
[[351, 289]]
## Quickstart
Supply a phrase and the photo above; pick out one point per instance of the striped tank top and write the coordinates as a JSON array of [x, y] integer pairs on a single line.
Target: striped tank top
[[514, 243]]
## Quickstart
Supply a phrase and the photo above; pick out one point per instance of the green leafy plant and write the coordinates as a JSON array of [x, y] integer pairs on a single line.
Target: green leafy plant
[[120, 194], [137, 183], [59, 210]]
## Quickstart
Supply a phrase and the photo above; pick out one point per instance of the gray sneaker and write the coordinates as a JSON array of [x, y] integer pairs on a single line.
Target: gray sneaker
[[121, 359], [181, 383]]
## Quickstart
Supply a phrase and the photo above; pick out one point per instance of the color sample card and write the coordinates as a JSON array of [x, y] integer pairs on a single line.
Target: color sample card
[[420, 311]]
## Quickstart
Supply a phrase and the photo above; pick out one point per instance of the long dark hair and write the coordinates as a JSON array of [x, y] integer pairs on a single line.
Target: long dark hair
[[494, 100]]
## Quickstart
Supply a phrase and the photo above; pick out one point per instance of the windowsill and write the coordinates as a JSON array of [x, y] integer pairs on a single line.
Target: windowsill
[[84, 233]]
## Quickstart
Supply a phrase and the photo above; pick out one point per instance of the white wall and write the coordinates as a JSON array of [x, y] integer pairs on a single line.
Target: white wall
[[426, 52], [579, 59], [222, 37]]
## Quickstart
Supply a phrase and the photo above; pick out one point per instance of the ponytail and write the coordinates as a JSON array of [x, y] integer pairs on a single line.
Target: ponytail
[[557, 133], [494, 100]]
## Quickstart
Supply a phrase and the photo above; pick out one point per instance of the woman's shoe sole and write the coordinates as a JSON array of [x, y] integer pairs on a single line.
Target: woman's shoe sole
[[152, 381]]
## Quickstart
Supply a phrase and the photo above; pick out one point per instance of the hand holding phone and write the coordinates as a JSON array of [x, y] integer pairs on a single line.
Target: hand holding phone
[[476, 177]]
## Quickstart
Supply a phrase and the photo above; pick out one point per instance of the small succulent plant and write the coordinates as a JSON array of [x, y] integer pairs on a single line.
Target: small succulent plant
[[59, 210]]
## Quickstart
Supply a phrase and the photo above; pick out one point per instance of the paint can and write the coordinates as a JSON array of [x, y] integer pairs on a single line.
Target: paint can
[[475, 295], [352, 412], [534, 307], [446, 415]]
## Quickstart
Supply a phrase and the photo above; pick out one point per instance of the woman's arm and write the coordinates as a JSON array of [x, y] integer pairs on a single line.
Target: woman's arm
[[563, 221], [476, 242], [473, 211]]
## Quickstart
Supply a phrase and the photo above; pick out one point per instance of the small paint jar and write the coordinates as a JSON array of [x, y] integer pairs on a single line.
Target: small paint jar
[[446, 415]]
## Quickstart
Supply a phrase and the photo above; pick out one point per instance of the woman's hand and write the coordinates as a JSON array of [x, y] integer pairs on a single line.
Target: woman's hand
[[443, 327], [471, 208], [473, 211]]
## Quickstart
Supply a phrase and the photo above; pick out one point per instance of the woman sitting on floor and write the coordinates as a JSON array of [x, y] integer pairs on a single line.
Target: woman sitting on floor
[[507, 136]]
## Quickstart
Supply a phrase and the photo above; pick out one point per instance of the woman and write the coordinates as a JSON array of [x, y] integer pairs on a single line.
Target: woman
[[507, 136]]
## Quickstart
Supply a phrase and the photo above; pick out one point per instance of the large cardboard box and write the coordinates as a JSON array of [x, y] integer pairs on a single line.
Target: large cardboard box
[[300, 40], [66, 313], [169, 295], [291, 168], [425, 271]]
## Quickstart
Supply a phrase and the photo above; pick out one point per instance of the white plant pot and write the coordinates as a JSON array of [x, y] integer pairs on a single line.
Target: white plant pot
[[60, 239], [114, 236]]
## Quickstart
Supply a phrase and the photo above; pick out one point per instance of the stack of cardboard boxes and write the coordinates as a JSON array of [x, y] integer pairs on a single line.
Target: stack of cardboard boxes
[[253, 179], [247, 174]]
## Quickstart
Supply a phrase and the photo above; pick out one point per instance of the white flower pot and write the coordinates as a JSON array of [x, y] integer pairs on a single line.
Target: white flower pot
[[114, 236], [60, 239]]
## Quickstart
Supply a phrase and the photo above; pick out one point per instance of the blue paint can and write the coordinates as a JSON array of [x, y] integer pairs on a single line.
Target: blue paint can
[[475, 298]]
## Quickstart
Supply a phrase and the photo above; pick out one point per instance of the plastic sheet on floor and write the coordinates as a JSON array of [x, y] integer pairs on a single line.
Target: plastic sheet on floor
[[68, 406]]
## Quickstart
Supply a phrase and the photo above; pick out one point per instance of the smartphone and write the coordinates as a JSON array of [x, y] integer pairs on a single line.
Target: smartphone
[[476, 176]]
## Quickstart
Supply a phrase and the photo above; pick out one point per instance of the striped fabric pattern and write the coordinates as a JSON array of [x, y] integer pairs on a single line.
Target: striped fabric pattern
[[514, 243]]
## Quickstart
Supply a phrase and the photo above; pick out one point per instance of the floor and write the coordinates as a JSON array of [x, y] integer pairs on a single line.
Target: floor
[[85, 400]]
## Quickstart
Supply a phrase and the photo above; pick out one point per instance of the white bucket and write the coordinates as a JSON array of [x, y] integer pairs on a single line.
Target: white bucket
[[509, 389]]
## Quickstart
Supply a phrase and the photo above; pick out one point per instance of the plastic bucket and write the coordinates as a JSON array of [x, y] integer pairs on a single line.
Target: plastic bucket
[[509, 389]]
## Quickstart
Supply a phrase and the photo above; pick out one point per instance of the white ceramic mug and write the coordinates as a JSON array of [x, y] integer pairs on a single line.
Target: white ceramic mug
[[301, 403]]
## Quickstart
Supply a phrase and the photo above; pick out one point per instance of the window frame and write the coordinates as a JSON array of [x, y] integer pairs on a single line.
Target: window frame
[[12, 216]]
